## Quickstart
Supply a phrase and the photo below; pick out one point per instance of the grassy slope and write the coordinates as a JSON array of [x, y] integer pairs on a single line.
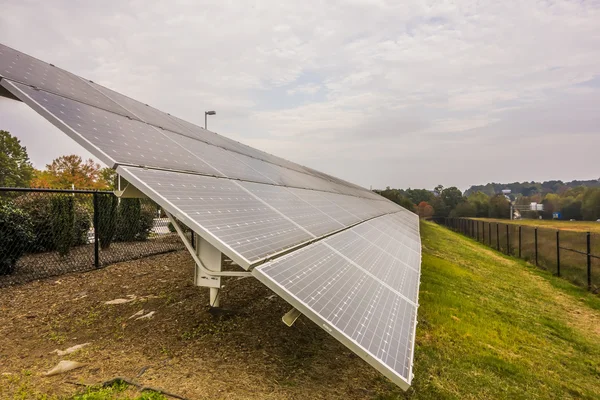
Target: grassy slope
[[493, 327], [579, 226]]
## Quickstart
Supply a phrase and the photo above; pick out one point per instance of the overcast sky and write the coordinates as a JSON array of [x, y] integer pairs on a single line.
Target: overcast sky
[[382, 93]]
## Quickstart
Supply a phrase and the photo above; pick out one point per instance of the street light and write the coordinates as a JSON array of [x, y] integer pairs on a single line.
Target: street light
[[206, 114]]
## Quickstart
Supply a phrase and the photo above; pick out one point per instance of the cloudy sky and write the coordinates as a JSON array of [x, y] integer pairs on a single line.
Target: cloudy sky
[[381, 93]]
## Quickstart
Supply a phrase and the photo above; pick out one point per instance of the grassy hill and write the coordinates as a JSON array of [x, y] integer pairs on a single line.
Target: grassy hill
[[495, 327], [489, 327]]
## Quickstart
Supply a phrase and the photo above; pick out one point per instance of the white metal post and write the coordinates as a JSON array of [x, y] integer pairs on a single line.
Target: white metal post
[[211, 258]]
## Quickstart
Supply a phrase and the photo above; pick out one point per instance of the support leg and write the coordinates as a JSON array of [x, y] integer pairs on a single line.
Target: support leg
[[211, 258]]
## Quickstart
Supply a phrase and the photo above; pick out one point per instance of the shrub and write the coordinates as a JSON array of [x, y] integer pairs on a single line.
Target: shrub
[[39, 208], [147, 215], [63, 223], [83, 222], [16, 235], [107, 219], [135, 220]]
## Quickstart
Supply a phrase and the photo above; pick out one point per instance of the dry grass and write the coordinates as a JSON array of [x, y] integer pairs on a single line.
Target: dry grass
[[577, 226]]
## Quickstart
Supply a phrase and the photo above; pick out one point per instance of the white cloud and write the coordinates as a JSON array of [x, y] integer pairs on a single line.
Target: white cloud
[[392, 83], [308, 88]]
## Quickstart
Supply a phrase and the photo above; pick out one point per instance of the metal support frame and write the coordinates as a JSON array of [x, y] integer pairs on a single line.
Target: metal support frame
[[208, 263]]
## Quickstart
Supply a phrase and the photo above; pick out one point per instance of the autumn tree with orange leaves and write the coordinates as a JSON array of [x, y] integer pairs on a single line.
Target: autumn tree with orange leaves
[[67, 171], [425, 210]]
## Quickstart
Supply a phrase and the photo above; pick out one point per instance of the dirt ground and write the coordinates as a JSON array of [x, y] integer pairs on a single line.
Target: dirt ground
[[247, 353]]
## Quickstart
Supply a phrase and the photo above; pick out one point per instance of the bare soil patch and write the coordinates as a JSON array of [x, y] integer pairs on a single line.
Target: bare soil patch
[[183, 348]]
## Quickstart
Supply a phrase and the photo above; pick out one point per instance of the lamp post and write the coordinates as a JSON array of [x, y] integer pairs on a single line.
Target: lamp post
[[206, 114]]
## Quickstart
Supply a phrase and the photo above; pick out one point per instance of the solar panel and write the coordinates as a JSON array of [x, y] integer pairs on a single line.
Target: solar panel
[[327, 204], [113, 138], [345, 293], [20, 67], [222, 209], [339, 253], [302, 213]]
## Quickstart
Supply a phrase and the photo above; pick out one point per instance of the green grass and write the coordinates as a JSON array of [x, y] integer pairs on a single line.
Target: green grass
[[491, 326], [116, 391]]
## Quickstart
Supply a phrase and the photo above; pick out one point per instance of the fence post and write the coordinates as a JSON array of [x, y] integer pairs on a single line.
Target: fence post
[[490, 234], [519, 241], [96, 227], [589, 260], [557, 253], [497, 236], [507, 241], [536, 247]]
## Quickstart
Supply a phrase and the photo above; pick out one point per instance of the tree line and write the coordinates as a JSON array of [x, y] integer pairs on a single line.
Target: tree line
[[579, 202]]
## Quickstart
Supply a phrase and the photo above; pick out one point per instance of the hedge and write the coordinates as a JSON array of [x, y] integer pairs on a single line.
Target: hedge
[[16, 236]]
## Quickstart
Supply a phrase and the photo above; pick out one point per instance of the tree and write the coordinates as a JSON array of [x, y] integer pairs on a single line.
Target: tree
[[590, 208], [451, 197], [419, 195], [499, 207], [424, 210], [108, 177], [66, 171], [15, 168], [439, 208], [397, 196], [481, 202], [463, 210]]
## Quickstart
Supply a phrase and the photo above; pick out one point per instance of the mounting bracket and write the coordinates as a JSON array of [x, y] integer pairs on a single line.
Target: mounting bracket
[[208, 261]]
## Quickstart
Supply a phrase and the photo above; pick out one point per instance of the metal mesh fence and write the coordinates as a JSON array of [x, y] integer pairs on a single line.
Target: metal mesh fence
[[46, 233], [573, 255], [595, 261]]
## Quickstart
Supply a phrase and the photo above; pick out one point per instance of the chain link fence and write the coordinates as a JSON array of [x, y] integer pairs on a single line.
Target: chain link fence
[[572, 255], [46, 232]]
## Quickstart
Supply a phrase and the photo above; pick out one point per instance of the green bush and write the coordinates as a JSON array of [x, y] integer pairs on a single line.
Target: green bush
[[83, 223], [107, 219], [63, 223], [135, 220], [147, 215], [39, 208], [16, 235]]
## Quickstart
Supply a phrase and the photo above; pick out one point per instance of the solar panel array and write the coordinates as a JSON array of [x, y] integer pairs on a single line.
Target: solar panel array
[[344, 256]]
